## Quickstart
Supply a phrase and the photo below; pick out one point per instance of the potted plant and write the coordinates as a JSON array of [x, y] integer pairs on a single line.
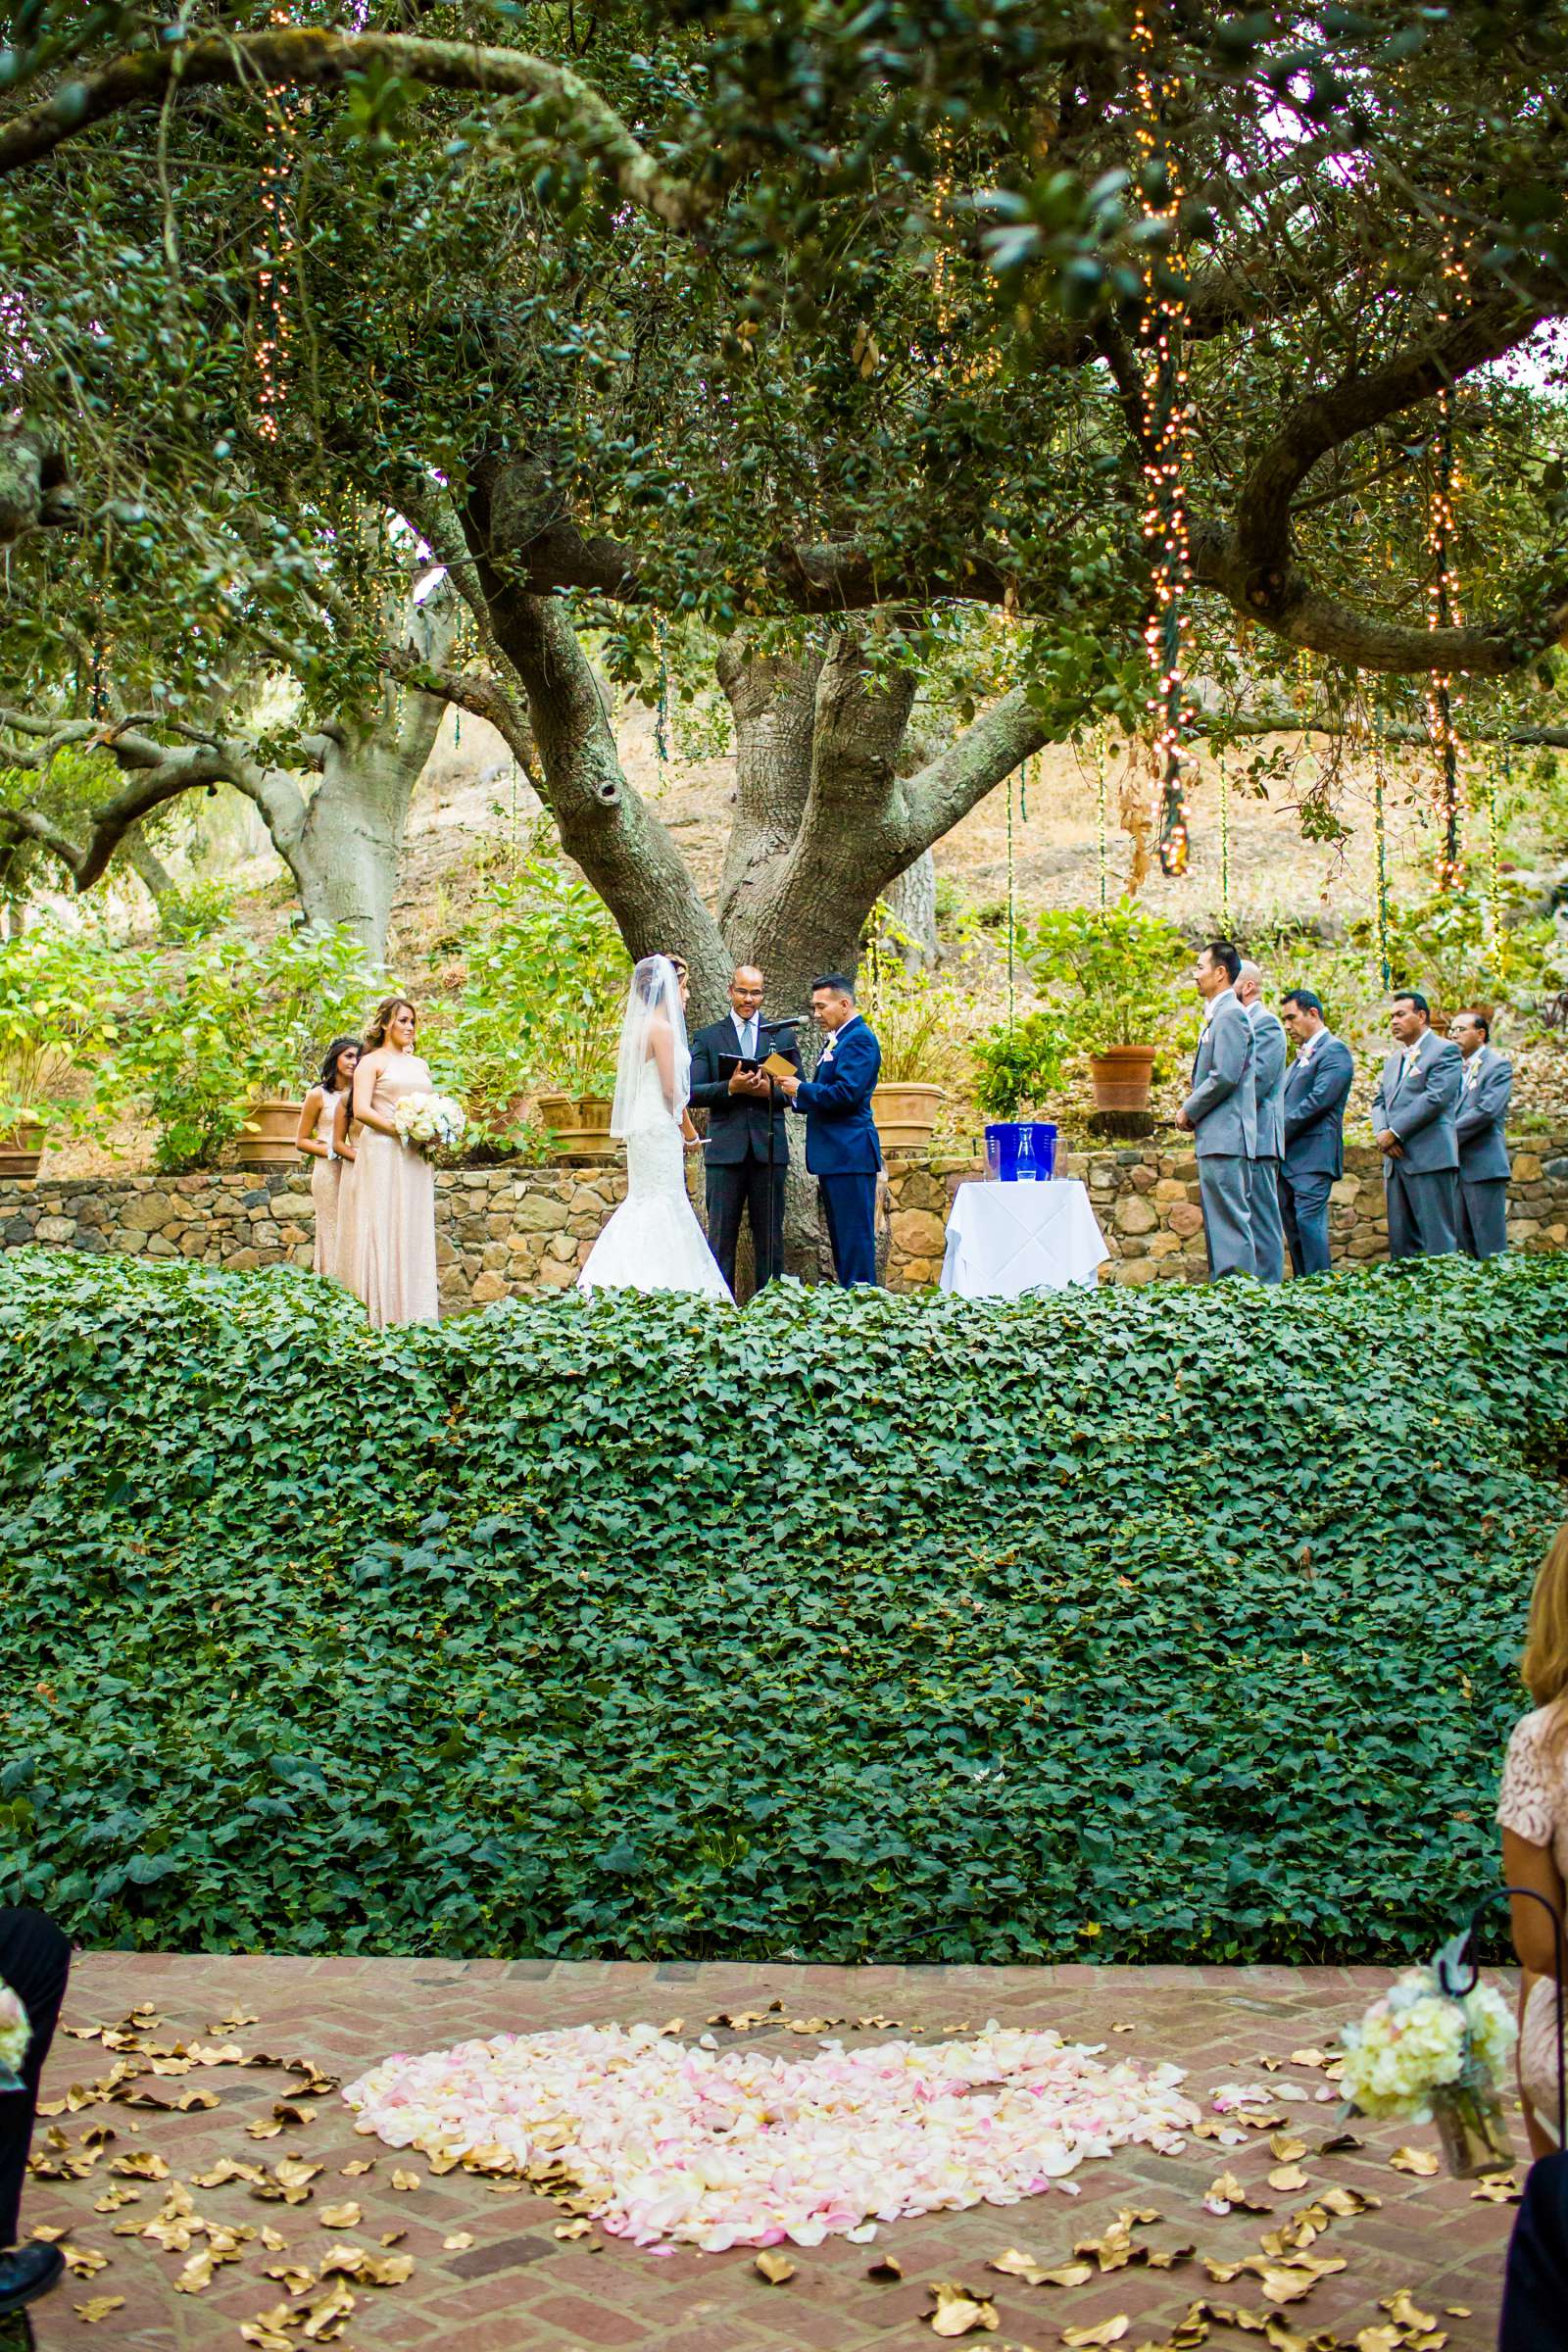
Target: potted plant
[[54, 1018], [546, 985], [1106, 973], [917, 1021]]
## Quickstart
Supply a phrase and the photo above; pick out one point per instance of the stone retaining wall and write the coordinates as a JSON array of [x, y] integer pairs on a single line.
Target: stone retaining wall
[[501, 1232]]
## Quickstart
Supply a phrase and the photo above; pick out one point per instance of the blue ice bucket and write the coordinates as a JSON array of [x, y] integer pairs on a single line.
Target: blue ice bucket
[[1045, 1134], [1003, 1142]]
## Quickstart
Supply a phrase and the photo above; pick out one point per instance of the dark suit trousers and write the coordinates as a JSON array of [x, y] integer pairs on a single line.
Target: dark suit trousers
[[744, 1187], [850, 1202], [1423, 1211], [1304, 1211], [1483, 1217], [34, 1961], [1535, 2285]]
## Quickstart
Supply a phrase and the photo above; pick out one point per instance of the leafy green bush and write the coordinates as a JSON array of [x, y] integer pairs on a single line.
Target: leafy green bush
[[546, 985], [229, 1022], [1107, 973], [1177, 1625], [1019, 1066], [56, 1017]]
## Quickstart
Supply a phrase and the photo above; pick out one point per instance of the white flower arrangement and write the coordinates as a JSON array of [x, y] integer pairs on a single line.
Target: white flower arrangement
[[16, 2031], [1416, 2038], [431, 1122]]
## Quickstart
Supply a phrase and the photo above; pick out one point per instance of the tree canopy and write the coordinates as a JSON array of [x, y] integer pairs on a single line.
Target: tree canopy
[[815, 328]]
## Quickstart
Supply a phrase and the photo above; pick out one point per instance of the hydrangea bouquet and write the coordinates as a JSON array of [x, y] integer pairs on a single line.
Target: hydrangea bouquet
[[431, 1122], [16, 2031], [1422, 2051]]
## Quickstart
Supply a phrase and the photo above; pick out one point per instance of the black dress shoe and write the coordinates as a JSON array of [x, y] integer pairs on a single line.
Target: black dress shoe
[[28, 2271]]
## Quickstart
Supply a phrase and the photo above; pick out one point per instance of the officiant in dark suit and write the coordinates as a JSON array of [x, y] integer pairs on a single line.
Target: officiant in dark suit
[[745, 1112]]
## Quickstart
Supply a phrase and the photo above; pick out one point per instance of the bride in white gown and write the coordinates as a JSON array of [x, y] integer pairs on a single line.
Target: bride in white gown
[[653, 1241]]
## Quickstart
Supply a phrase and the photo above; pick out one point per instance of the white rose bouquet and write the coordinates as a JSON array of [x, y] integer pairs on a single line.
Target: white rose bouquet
[[1423, 2052], [16, 2031], [431, 1122]]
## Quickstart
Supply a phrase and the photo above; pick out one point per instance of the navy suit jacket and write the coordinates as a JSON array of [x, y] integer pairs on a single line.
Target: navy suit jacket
[[1315, 1094], [1483, 1114], [840, 1131]]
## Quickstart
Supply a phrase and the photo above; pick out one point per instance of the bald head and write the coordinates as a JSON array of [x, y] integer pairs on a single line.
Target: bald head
[[1249, 982], [746, 991]]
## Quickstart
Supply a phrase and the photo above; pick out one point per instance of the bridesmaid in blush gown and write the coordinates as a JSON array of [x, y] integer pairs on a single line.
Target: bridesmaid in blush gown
[[318, 1137], [388, 1251]]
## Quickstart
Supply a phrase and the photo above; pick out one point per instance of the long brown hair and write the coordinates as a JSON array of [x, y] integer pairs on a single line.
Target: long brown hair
[[381, 1020], [1544, 1664]]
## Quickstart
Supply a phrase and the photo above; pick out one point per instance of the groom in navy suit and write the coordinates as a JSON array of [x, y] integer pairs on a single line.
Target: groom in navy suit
[[840, 1148]]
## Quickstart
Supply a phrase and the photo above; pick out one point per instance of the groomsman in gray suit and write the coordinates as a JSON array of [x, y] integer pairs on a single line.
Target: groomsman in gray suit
[[1317, 1086], [1483, 1152], [1413, 1121], [1219, 1113], [1268, 1111]]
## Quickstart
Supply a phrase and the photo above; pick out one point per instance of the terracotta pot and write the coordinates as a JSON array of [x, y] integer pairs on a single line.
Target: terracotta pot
[[906, 1117], [1122, 1076], [20, 1150], [579, 1126], [267, 1139]]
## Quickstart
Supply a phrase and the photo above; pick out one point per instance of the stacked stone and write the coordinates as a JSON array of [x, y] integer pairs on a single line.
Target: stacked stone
[[509, 1232]]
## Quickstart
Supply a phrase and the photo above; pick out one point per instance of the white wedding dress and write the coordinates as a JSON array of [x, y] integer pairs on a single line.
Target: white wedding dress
[[653, 1241]]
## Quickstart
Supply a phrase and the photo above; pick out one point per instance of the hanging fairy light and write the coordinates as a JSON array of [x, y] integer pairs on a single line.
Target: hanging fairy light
[[1442, 613], [1224, 843], [1012, 918], [1379, 837], [661, 707], [1498, 935], [273, 331], [1099, 816], [1168, 433]]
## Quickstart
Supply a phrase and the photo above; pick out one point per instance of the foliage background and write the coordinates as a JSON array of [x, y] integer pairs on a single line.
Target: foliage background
[[1175, 1626]]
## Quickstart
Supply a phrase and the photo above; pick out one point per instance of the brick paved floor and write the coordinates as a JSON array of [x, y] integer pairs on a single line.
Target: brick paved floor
[[518, 2287]]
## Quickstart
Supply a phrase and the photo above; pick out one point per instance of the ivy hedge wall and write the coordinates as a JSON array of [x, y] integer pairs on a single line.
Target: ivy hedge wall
[[1176, 1625]]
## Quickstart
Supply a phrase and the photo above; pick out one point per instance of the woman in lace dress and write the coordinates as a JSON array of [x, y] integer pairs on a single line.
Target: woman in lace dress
[[317, 1137], [388, 1249], [1533, 1810], [653, 1241]]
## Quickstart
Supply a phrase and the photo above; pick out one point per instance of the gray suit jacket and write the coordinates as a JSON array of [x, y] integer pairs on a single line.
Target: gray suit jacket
[[1420, 1107], [1482, 1109], [1315, 1094], [1268, 1081], [1220, 1105]]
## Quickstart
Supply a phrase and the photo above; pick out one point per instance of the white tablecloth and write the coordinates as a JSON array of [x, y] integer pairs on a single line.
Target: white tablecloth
[[1006, 1238]]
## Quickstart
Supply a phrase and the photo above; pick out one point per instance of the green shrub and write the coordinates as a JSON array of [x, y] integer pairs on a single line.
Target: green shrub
[[546, 978], [1107, 973], [232, 1021], [56, 1017], [1176, 1625], [1019, 1067]]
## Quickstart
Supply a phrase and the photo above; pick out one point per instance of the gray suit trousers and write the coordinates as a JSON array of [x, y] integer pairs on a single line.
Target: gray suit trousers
[[1483, 1216], [1268, 1231], [1227, 1216], [1423, 1210]]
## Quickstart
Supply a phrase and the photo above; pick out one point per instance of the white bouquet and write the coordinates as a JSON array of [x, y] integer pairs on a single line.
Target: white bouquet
[[16, 2031], [431, 1122], [1417, 2038]]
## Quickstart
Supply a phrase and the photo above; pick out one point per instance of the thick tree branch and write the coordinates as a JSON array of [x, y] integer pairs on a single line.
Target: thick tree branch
[[935, 798], [1316, 723], [291, 56], [1325, 419]]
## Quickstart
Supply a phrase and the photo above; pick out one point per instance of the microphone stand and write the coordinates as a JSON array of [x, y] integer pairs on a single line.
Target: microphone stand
[[774, 1030]]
